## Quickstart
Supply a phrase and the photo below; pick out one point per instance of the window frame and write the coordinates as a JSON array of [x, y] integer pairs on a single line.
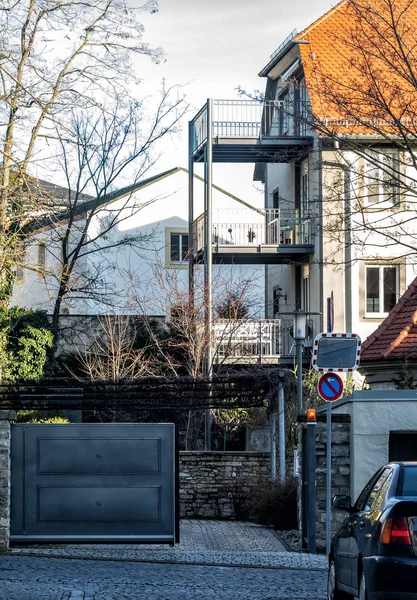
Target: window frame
[[381, 179], [182, 232], [381, 267], [41, 257]]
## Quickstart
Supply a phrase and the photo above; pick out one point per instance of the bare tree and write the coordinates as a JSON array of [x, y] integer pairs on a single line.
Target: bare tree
[[112, 355], [55, 55], [101, 148], [181, 347], [365, 111]]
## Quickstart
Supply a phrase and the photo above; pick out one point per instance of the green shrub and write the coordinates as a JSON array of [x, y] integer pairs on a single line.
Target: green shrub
[[274, 503], [40, 416]]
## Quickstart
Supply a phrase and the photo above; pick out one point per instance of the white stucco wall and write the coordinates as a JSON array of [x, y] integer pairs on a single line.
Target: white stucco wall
[[373, 415], [128, 275]]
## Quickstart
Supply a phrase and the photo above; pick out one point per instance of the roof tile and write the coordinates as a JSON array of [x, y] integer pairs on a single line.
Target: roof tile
[[396, 337], [350, 48]]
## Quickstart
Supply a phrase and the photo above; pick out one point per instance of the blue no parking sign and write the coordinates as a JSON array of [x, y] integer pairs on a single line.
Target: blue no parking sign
[[330, 387]]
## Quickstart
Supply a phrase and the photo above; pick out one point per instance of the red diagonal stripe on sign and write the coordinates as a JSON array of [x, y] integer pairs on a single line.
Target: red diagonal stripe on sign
[[327, 382]]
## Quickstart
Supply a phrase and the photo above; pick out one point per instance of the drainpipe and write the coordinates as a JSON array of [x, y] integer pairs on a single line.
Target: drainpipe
[[347, 241]]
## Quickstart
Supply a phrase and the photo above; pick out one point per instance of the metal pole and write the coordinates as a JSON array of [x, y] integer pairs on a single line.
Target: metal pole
[[299, 348], [208, 262], [273, 432], [191, 249], [328, 475], [281, 430], [311, 487], [328, 452]]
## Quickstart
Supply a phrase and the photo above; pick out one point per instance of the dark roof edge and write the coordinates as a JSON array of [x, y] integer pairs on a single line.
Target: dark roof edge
[[275, 60]]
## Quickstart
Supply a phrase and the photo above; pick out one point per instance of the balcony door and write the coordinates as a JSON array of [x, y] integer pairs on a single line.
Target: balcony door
[[272, 220]]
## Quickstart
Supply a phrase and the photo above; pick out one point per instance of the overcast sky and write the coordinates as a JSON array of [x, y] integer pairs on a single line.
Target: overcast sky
[[216, 45]]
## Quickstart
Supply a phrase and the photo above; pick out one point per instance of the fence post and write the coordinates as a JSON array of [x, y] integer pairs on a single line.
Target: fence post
[[5, 476]]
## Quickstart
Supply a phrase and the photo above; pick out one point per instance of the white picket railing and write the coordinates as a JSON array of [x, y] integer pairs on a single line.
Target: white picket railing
[[255, 338], [244, 227], [252, 119]]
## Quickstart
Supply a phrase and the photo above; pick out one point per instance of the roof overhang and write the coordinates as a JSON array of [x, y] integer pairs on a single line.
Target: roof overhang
[[278, 57]]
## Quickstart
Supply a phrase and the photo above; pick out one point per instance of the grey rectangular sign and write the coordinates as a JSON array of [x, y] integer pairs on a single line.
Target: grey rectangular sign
[[337, 353]]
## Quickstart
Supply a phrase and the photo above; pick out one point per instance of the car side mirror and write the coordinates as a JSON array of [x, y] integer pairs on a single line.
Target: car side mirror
[[342, 502]]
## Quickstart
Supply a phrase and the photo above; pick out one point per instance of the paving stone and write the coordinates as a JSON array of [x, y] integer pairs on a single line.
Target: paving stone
[[203, 542]]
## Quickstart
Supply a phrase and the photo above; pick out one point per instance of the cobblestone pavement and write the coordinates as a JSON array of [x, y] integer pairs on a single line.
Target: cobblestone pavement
[[222, 543], [34, 578]]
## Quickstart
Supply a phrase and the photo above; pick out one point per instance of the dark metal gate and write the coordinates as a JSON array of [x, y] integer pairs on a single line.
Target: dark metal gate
[[94, 483]]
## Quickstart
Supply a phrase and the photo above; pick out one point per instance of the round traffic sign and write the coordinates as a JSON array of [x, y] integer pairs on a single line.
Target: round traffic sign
[[330, 387]]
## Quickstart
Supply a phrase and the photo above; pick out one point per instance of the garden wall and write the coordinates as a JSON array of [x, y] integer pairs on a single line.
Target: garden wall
[[214, 484]]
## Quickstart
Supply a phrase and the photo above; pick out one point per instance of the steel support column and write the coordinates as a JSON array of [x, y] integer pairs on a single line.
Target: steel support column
[[208, 257]]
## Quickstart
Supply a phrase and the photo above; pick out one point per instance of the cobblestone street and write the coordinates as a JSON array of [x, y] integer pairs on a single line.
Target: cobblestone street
[[27, 578]]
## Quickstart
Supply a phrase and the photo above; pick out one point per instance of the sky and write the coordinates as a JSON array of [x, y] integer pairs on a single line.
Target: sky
[[212, 47]]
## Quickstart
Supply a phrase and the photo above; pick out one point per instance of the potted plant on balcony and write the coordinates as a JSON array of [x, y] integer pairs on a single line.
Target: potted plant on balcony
[[251, 235]]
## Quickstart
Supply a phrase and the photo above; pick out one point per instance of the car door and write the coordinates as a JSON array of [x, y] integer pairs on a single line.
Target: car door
[[343, 553], [365, 520]]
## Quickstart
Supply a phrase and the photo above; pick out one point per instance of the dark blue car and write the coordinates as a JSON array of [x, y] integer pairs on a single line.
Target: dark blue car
[[374, 553]]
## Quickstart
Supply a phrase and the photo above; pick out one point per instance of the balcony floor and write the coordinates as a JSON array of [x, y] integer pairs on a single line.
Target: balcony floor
[[257, 255], [247, 150]]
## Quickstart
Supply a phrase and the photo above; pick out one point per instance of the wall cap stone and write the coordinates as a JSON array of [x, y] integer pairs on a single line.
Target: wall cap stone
[[321, 418], [221, 453]]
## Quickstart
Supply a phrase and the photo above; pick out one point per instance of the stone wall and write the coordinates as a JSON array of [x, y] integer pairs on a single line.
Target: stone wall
[[214, 484], [340, 471], [5, 477]]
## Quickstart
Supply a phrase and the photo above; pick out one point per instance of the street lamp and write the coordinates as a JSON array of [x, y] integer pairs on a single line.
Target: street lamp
[[299, 334]]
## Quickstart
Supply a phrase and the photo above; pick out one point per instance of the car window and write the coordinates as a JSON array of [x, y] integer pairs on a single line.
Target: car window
[[409, 481], [378, 490], [360, 502], [370, 495]]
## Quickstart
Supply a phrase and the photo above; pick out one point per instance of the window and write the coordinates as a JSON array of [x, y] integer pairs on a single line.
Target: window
[[179, 247], [176, 252], [378, 491], [284, 112], [304, 192], [41, 257], [382, 288], [381, 178], [306, 292]]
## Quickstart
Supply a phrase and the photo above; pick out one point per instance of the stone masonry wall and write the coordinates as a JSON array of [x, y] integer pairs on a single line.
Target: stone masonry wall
[[5, 476], [340, 471], [213, 484]]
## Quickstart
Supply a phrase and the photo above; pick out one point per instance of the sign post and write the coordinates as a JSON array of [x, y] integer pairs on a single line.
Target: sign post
[[333, 352]]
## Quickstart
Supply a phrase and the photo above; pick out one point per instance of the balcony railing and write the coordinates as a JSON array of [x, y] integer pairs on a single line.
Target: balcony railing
[[250, 119], [246, 338], [244, 227]]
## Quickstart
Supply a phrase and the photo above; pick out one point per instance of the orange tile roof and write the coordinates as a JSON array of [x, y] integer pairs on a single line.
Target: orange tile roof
[[396, 337], [354, 66]]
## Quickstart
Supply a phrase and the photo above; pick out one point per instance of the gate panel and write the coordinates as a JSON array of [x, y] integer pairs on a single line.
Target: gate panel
[[93, 482]]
